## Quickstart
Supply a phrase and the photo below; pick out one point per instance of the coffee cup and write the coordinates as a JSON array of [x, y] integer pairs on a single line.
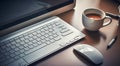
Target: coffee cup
[[93, 19]]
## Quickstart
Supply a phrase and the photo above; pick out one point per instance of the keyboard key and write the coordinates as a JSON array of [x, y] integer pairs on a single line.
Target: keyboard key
[[26, 48], [57, 23], [64, 30], [26, 37], [12, 55], [49, 26], [17, 45], [7, 62], [3, 43], [52, 40], [30, 39], [35, 44], [18, 41], [7, 54], [26, 41], [30, 46], [38, 31], [3, 51], [55, 35], [8, 49], [43, 40], [50, 30], [47, 39], [42, 37], [34, 37], [46, 35], [67, 33], [34, 49], [3, 47], [57, 38], [34, 33], [48, 42], [11, 51], [22, 50], [16, 49], [41, 53], [30, 35], [30, 43], [46, 28], [19, 62], [38, 35], [42, 30], [35, 41], [22, 43], [22, 38], [38, 39], [16, 57], [38, 43], [13, 46], [21, 47], [22, 55], [17, 53], [51, 37], [50, 34]]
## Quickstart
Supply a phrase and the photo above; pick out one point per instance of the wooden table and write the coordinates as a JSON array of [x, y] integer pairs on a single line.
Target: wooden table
[[99, 39]]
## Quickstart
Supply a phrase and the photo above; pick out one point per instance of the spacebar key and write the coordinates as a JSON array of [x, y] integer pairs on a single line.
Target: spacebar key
[[39, 54], [19, 62]]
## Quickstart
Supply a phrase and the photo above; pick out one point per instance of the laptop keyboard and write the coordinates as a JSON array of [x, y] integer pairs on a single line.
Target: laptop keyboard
[[24, 44]]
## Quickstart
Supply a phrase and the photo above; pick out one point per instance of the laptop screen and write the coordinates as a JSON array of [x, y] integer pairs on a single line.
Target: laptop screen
[[13, 12]]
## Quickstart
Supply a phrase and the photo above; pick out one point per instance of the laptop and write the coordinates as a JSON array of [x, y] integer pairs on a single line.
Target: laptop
[[37, 41], [19, 11]]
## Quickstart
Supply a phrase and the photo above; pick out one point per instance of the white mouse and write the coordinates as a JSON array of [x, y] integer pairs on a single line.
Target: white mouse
[[90, 53]]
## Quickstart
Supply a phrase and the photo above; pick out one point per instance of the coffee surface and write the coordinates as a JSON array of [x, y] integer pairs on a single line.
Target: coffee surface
[[94, 16]]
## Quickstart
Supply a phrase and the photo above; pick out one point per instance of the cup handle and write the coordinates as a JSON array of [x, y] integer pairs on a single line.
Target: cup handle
[[109, 21]]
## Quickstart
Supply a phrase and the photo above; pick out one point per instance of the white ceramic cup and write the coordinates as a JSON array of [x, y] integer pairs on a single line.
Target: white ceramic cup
[[98, 20]]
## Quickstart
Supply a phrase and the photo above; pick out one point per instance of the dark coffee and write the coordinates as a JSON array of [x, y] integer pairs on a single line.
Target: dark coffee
[[94, 16]]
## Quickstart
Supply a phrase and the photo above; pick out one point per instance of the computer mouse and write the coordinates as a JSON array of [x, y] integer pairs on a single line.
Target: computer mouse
[[90, 53]]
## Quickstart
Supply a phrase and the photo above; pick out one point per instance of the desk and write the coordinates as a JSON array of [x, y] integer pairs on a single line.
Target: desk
[[97, 39]]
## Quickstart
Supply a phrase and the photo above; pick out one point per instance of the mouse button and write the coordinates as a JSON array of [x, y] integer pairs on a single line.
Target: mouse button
[[95, 57], [82, 46], [87, 49], [79, 48]]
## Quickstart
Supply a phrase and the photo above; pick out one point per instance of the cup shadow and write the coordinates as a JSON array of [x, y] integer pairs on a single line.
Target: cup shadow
[[94, 36]]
